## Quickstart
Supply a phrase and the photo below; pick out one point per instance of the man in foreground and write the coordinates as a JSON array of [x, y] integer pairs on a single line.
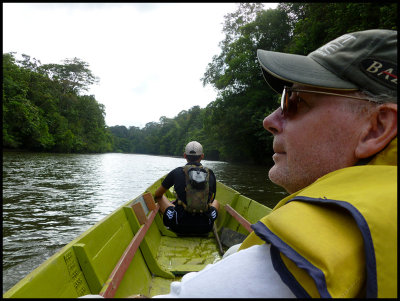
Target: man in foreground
[[196, 208], [335, 144]]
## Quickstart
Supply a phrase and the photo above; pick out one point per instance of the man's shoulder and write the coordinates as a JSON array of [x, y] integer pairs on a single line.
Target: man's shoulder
[[177, 169], [209, 170], [173, 177], [213, 178]]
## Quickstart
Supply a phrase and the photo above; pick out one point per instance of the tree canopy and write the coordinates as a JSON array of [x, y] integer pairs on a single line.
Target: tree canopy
[[42, 110]]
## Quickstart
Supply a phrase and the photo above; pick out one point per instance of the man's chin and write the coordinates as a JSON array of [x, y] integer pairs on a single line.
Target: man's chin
[[274, 175], [277, 176]]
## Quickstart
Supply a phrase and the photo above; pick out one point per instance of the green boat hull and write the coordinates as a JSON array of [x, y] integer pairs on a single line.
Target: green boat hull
[[84, 265]]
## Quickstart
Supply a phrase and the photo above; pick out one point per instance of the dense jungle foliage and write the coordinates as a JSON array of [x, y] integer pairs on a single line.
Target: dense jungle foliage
[[44, 108], [44, 111]]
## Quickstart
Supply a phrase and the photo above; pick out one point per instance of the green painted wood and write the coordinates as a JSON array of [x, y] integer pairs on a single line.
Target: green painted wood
[[225, 195], [137, 280], [50, 280], [241, 207], [256, 211], [105, 245], [76, 275], [149, 245], [162, 228], [186, 254], [88, 268], [160, 286]]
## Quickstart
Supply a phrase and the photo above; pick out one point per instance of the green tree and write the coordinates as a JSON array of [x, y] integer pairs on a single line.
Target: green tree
[[23, 121], [315, 24], [74, 75], [42, 112], [236, 115]]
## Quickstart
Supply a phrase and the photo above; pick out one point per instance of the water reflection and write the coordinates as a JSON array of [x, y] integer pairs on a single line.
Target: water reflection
[[49, 199]]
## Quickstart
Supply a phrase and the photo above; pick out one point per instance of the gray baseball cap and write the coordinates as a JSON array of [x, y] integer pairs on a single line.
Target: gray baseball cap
[[363, 60], [194, 148]]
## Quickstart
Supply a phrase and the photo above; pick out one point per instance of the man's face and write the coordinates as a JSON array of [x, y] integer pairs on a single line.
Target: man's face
[[319, 138]]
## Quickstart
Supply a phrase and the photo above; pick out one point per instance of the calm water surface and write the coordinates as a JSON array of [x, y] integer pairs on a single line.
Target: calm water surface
[[49, 199]]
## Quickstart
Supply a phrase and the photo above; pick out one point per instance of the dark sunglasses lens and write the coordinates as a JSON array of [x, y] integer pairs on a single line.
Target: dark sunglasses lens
[[288, 105], [283, 102]]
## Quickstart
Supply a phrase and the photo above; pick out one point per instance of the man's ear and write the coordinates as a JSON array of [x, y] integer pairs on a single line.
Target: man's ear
[[380, 129]]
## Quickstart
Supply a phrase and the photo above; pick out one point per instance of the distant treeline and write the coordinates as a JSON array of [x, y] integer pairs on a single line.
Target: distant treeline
[[44, 109]]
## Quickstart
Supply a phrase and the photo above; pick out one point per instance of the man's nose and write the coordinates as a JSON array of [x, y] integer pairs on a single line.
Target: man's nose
[[273, 122]]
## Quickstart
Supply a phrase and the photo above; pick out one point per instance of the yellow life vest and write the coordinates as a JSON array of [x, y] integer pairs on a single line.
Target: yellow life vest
[[338, 236]]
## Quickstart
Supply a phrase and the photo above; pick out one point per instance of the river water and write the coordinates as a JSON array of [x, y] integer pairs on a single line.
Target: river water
[[49, 199]]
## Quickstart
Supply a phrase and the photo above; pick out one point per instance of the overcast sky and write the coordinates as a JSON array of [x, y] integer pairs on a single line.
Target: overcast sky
[[149, 57]]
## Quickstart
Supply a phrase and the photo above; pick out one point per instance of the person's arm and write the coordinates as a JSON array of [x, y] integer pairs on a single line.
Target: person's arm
[[161, 199], [165, 185], [213, 186], [213, 190], [159, 193]]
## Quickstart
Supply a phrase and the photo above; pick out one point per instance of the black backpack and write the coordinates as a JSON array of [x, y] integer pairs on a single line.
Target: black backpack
[[197, 188]]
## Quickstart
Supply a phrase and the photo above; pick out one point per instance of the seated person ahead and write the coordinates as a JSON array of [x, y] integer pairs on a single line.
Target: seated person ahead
[[196, 208]]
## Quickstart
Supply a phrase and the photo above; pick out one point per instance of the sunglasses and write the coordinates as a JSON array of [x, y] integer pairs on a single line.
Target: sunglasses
[[289, 103]]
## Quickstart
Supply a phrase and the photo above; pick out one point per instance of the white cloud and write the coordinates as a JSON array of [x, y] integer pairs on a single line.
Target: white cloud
[[149, 57]]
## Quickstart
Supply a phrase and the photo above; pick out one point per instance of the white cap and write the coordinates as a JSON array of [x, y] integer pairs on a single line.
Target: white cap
[[194, 148]]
